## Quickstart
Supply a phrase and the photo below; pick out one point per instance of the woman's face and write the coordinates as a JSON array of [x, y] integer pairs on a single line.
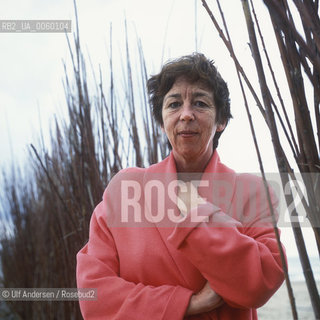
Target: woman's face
[[189, 120]]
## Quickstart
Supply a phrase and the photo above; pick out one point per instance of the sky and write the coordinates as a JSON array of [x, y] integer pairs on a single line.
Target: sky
[[31, 65]]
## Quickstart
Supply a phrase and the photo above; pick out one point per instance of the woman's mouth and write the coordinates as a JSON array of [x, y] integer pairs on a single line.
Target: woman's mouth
[[187, 133]]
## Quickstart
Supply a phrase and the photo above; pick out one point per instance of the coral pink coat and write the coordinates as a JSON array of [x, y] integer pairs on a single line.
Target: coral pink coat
[[147, 270]]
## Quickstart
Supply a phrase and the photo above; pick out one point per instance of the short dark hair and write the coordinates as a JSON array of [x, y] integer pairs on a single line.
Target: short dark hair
[[195, 68]]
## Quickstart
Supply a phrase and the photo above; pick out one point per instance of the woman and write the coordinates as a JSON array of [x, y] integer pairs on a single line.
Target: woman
[[187, 237]]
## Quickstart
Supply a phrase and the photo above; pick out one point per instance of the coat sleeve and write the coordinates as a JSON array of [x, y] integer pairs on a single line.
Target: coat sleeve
[[241, 260], [98, 267]]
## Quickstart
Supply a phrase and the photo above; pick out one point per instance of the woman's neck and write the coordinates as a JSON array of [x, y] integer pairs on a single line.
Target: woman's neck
[[190, 165]]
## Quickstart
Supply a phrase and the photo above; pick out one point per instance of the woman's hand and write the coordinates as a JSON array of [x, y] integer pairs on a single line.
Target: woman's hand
[[188, 197], [204, 301]]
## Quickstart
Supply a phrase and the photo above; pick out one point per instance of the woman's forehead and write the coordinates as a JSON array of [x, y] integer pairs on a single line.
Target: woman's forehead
[[184, 84]]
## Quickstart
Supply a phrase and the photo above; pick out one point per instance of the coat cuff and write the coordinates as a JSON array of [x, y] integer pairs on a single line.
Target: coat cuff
[[178, 303]]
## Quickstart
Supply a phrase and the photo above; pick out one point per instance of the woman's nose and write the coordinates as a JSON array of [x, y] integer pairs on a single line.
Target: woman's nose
[[187, 113]]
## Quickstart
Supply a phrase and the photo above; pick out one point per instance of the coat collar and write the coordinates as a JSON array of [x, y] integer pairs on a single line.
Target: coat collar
[[220, 181], [168, 165]]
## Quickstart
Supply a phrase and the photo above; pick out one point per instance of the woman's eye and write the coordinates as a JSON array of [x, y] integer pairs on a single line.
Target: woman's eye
[[174, 105], [200, 104]]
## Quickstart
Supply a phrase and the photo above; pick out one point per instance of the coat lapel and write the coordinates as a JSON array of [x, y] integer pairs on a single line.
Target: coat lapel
[[221, 183]]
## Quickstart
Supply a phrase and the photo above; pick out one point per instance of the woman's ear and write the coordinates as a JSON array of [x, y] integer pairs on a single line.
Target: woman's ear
[[220, 127]]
